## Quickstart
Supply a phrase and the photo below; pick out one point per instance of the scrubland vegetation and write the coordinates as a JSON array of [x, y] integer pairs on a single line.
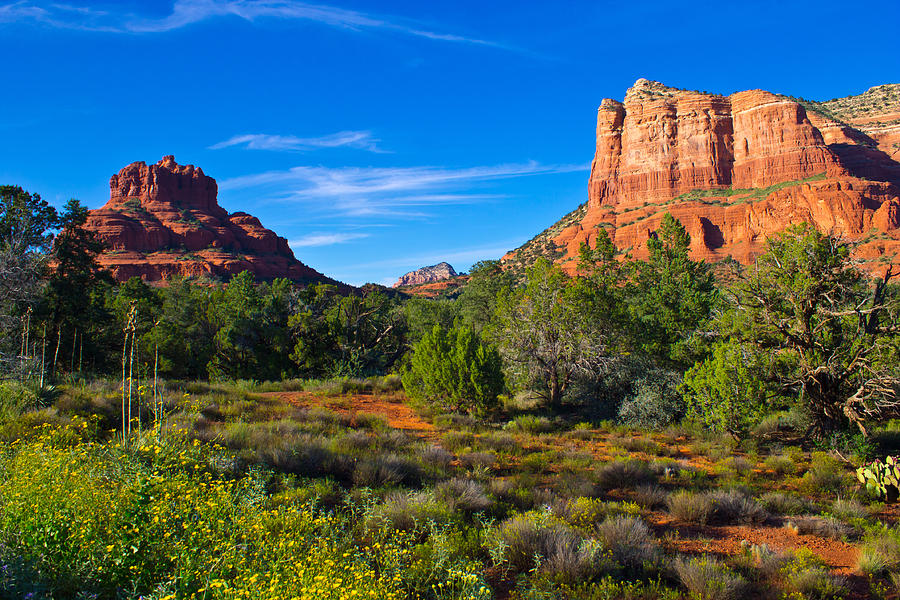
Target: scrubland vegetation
[[635, 431]]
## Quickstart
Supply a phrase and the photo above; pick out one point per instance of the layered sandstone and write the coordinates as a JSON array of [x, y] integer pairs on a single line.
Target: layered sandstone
[[734, 170], [432, 274], [164, 221]]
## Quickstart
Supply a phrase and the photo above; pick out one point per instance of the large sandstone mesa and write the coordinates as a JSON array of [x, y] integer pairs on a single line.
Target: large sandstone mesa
[[164, 221], [432, 274], [736, 169]]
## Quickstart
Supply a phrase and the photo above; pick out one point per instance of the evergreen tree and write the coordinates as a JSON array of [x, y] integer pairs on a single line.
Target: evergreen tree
[[455, 369], [669, 295], [824, 329], [478, 300], [75, 299], [547, 335]]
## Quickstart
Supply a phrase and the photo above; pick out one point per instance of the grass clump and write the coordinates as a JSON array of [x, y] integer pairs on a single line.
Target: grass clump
[[463, 494], [537, 540], [708, 579], [732, 506], [620, 474], [530, 424], [782, 503], [630, 542], [690, 507], [879, 554], [826, 476]]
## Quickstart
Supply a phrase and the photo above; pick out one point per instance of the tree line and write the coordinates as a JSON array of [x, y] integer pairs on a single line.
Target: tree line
[[649, 342]]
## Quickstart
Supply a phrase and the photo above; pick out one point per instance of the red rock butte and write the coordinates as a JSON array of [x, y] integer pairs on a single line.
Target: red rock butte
[[164, 221], [737, 169]]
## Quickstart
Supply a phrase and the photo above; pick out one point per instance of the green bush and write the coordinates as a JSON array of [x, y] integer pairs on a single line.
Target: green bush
[[656, 401], [722, 392], [456, 370], [14, 400]]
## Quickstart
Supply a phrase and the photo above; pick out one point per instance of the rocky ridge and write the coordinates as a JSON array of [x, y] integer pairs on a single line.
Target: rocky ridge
[[164, 221], [736, 169], [432, 274]]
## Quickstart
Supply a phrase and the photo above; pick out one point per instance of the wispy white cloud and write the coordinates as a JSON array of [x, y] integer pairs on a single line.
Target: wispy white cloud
[[389, 191], [189, 12], [362, 140], [325, 239]]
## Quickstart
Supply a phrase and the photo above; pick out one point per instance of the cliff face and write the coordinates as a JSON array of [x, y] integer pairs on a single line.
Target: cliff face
[[164, 220], [432, 274], [736, 169]]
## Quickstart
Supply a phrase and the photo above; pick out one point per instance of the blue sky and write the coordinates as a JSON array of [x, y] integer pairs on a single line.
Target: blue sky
[[379, 137]]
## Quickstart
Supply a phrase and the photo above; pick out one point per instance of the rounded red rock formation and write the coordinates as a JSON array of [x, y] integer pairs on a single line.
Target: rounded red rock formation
[[164, 221]]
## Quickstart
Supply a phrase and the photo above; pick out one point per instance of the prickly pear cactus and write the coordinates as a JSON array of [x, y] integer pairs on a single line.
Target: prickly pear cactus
[[881, 478]]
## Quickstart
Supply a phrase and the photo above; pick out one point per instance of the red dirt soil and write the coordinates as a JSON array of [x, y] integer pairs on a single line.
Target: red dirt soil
[[398, 414]]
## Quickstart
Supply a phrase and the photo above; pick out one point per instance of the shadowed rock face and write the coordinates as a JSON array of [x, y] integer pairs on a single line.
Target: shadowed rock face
[[438, 272], [164, 221], [736, 169]]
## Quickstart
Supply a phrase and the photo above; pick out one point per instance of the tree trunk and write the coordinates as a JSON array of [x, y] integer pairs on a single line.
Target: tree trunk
[[555, 390], [43, 353], [74, 344], [56, 352]]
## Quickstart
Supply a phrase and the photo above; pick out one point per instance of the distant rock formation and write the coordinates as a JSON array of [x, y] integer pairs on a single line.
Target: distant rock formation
[[164, 221], [735, 170], [432, 274]]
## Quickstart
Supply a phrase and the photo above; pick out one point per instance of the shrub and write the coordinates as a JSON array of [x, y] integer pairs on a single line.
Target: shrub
[[582, 512], [824, 527], [435, 457], [879, 554], [776, 422], [624, 474], [409, 512], [530, 424], [386, 469], [500, 442], [805, 575], [639, 444], [463, 494], [455, 421], [732, 506], [784, 504], [88, 520], [14, 400], [690, 507], [457, 440], [455, 369], [650, 496], [482, 460], [825, 476], [849, 510], [708, 579], [532, 537], [781, 464], [655, 402], [521, 492], [740, 465], [630, 542], [723, 393]]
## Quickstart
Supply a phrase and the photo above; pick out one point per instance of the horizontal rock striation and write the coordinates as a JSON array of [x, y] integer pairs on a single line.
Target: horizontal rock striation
[[736, 169]]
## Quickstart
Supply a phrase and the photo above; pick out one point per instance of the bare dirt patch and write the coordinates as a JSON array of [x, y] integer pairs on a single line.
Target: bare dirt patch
[[392, 407]]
